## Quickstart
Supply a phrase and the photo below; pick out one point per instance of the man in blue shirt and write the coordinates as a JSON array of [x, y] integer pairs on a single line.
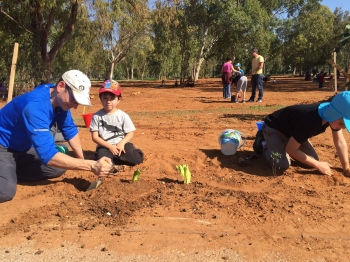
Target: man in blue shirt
[[27, 148]]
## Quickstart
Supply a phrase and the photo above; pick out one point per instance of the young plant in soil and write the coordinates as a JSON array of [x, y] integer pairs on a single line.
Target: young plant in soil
[[185, 173], [276, 157], [137, 174]]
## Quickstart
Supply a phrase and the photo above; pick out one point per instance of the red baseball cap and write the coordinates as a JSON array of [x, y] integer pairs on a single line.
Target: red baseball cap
[[111, 86]]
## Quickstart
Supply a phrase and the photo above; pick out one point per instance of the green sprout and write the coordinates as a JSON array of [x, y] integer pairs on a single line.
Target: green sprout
[[137, 173], [276, 157], [185, 173]]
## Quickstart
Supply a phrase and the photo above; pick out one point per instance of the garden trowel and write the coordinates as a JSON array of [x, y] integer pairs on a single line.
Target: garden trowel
[[114, 171], [95, 184]]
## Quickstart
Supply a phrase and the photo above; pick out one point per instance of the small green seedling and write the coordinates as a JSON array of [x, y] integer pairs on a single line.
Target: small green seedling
[[276, 157], [185, 173], [137, 173]]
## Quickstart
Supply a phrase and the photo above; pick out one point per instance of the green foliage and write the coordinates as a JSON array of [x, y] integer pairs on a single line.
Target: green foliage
[[307, 38], [345, 38], [136, 175], [185, 173], [276, 157], [176, 38], [41, 28]]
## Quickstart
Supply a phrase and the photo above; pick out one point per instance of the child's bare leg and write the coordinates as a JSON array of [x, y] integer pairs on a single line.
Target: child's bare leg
[[239, 93]]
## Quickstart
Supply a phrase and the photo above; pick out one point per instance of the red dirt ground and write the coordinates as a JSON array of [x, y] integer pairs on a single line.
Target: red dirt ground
[[294, 216]]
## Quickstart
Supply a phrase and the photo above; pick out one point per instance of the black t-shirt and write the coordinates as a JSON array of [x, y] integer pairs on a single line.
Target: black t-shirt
[[298, 121]]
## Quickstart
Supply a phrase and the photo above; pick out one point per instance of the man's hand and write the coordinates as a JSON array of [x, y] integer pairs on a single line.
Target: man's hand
[[102, 166]]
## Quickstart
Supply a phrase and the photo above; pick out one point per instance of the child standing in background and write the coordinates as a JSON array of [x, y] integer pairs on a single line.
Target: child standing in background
[[112, 129], [241, 83]]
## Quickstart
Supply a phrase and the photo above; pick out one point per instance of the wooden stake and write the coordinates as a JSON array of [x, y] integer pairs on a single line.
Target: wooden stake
[[12, 74], [348, 76], [335, 73]]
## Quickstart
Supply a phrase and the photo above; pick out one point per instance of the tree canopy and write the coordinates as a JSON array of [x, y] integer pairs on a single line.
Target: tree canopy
[[126, 39]]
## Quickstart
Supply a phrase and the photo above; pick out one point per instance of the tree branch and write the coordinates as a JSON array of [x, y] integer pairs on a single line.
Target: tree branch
[[20, 24]]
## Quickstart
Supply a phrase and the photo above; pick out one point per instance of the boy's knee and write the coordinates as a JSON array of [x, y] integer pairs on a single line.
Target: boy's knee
[[139, 158], [7, 191]]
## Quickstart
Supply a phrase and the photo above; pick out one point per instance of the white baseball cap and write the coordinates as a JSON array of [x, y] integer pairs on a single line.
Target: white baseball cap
[[80, 85]]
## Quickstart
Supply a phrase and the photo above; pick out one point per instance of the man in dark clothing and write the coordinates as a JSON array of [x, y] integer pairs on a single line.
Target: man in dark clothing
[[287, 132]]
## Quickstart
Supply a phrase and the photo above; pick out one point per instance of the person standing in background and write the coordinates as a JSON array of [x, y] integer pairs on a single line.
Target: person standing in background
[[321, 80], [226, 75], [257, 75], [241, 83]]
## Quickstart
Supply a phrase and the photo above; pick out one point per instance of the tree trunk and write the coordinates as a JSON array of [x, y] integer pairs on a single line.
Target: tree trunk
[[182, 61], [202, 53], [127, 73], [41, 25], [143, 71], [198, 68], [112, 70], [132, 67], [47, 70]]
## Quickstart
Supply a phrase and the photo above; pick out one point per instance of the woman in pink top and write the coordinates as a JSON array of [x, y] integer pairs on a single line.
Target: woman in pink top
[[226, 70]]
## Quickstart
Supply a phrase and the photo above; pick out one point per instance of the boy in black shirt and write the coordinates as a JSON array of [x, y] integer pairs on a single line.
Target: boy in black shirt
[[287, 132]]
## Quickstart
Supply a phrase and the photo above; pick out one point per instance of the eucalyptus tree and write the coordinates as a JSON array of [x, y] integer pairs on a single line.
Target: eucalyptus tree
[[310, 37], [119, 23], [342, 36], [194, 28], [229, 28], [167, 55], [238, 26], [137, 58], [7, 40], [42, 27], [83, 51], [210, 29], [286, 8], [185, 31]]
